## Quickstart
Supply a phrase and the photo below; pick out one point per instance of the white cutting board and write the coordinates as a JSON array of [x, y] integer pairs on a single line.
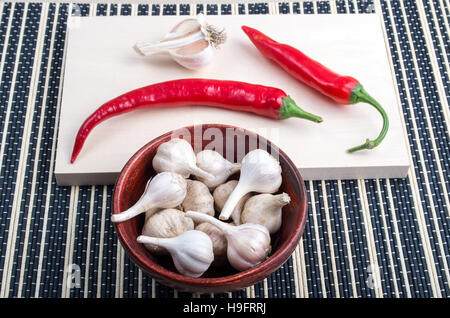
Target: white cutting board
[[101, 64]]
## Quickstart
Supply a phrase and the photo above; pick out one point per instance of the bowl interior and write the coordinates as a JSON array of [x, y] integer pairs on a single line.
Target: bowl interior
[[233, 143]]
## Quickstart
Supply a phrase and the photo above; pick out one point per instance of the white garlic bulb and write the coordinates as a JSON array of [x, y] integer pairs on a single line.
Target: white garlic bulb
[[177, 156], [198, 198], [265, 209], [165, 190], [260, 172], [192, 251], [166, 223], [221, 195], [211, 161], [247, 244], [190, 43], [150, 212]]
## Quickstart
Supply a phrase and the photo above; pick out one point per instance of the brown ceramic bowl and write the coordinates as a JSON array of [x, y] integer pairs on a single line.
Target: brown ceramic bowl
[[130, 185]]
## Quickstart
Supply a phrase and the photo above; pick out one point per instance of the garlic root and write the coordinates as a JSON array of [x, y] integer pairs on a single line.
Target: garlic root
[[265, 209]]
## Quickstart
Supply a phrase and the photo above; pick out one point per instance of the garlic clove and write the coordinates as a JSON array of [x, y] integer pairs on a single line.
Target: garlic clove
[[165, 224], [194, 56], [185, 27], [221, 194], [265, 209], [198, 198], [165, 45], [165, 190], [177, 155], [192, 251], [190, 43], [213, 162], [182, 34], [260, 172], [247, 244]]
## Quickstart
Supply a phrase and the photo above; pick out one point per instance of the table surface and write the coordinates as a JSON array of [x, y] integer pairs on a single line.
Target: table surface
[[363, 238]]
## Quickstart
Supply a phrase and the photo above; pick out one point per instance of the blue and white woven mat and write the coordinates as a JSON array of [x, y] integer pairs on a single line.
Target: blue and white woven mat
[[363, 238]]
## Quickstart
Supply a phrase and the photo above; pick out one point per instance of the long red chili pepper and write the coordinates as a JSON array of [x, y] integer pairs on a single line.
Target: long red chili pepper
[[342, 89], [263, 100]]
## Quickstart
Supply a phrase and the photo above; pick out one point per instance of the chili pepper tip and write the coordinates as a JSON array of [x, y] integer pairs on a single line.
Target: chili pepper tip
[[290, 109], [254, 35], [73, 158], [245, 28], [76, 150]]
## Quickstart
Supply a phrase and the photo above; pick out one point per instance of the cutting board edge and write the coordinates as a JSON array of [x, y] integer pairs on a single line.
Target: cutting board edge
[[313, 174]]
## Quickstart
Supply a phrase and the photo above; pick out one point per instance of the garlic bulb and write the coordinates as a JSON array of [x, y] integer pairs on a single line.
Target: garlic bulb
[[219, 242], [191, 251], [198, 198], [177, 156], [150, 212], [166, 223], [260, 172], [265, 209], [221, 194], [165, 190], [211, 161], [247, 244], [190, 43]]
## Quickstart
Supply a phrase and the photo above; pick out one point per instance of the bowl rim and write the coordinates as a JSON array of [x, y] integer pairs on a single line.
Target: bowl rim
[[250, 276]]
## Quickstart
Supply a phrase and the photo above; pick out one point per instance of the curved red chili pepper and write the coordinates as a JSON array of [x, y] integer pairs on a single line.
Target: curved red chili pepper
[[342, 89], [262, 100]]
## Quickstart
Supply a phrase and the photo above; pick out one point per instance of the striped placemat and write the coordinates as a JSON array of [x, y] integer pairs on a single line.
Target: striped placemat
[[363, 238]]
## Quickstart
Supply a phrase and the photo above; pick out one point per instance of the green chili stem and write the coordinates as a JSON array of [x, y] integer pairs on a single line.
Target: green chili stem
[[290, 109], [359, 94]]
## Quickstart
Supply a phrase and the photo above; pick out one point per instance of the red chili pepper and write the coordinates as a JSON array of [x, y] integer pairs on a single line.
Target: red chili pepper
[[342, 89], [262, 100]]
